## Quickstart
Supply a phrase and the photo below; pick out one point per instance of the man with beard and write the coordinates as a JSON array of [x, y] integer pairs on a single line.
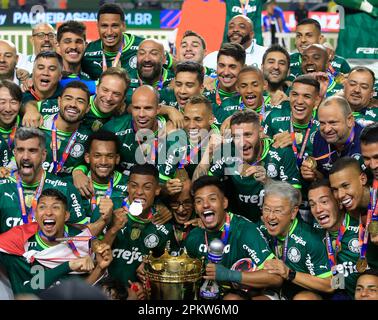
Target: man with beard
[[250, 86], [23, 188], [340, 231], [230, 60], [47, 73], [308, 32], [43, 39], [275, 67], [369, 148], [338, 137], [350, 188], [301, 256], [193, 48], [240, 30], [150, 61], [314, 63], [8, 61], [65, 134], [71, 46], [248, 163], [359, 90], [242, 240]]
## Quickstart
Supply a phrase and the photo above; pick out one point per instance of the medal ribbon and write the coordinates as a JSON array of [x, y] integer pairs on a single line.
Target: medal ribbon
[[117, 58], [299, 156], [24, 211], [12, 134], [34, 94], [284, 253], [193, 151], [225, 231], [372, 209], [184, 234], [69, 242], [363, 235], [108, 194], [244, 7], [332, 254], [155, 145], [58, 166]]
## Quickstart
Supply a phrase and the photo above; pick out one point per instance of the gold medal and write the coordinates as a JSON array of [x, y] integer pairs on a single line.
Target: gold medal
[[97, 124], [339, 78], [182, 175], [95, 245], [373, 228], [361, 265], [28, 200], [135, 233], [244, 168], [298, 137]]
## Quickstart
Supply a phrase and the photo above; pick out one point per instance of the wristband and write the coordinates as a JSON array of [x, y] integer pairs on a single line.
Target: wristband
[[224, 274]]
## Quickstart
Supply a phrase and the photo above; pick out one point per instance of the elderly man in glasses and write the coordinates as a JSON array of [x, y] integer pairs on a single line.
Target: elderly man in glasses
[[43, 39]]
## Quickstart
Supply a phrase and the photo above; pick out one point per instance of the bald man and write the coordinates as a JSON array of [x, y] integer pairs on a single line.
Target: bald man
[[240, 30], [8, 61], [315, 62], [144, 122], [43, 39]]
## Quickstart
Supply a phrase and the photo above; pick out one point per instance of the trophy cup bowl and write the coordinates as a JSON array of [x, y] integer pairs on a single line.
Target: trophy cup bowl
[[173, 278]]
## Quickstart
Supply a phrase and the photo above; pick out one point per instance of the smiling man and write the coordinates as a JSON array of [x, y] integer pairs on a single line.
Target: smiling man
[[341, 230], [8, 61], [242, 240], [29, 180], [248, 163], [369, 148], [65, 134], [301, 256], [36, 246], [115, 47]]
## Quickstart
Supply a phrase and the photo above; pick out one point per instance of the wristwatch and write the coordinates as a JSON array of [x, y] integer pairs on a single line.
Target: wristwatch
[[291, 276]]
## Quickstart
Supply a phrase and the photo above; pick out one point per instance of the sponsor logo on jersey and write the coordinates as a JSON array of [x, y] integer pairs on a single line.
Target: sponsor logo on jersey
[[162, 228], [298, 240], [77, 150], [13, 222], [76, 205], [253, 198], [56, 183], [238, 9], [274, 155], [9, 195], [151, 241], [294, 255], [128, 255], [310, 265], [366, 50], [252, 253], [353, 245]]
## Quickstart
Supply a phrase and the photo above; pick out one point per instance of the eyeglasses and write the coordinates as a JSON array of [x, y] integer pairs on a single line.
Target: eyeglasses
[[187, 204], [276, 212], [42, 35]]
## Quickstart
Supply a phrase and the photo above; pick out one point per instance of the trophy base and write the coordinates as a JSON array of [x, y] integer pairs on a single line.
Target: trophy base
[[174, 291]]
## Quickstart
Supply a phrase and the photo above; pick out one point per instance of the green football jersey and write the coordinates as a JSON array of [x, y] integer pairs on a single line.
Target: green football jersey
[[119, 192], [76, 155], [245, 241], [218, 95], [253, 11], [10, 210], [278, 120], [168, 98], [7, 142], [230, 105], [5, 152], [21, 272], [168, 150], [92, 60], [350, 251], [246, 194], [28, 96], [366, 116], [305, 253], [48, 106], [134, 241]]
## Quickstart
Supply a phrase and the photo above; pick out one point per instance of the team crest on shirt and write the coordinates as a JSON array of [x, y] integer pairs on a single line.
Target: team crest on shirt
[[271, 170], [294, 255], [133, 62], [151, 241], [97, 124], [353, 245], [77, 150]]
